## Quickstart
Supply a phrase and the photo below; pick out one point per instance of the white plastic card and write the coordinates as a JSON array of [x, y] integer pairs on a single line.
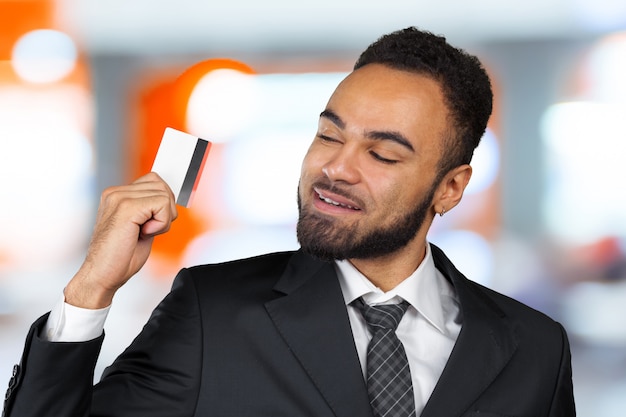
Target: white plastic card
[[180, 161]]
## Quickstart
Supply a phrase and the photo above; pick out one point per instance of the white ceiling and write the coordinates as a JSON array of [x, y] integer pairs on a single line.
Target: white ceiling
[[151, 26]]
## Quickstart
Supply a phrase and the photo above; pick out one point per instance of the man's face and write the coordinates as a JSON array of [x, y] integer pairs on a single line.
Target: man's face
[[368, 179]]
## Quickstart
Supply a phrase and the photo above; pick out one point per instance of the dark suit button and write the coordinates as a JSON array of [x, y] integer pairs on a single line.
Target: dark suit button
[[7, 394], [14, 375]]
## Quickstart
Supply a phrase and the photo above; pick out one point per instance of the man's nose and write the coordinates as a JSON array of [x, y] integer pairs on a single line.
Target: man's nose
[[343, 166]]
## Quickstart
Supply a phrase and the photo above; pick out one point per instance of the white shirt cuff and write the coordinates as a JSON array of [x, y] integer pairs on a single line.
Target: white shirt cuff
[[68, 323]]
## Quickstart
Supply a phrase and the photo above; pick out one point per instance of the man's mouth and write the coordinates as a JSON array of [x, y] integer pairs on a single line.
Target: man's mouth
[[335, 201]]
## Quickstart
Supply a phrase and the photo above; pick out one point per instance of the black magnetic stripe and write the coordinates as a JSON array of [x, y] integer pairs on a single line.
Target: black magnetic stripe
[[192, 172]]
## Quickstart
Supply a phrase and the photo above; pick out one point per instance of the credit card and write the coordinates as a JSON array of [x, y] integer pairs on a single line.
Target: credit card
[[180, 161]]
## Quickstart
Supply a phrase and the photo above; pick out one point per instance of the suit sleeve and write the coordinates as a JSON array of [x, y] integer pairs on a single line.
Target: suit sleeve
[[157, 375], [563, 400], [53, 379]]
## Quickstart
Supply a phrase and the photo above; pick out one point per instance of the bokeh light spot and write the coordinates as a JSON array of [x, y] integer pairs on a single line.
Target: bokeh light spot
[[221, 104], [44, 56]]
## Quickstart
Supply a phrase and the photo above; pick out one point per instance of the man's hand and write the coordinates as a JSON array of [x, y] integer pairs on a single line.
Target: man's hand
[[128, 218]]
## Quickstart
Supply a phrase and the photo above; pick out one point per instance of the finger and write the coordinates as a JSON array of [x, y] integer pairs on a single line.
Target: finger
[[149, 177], [137, 190], [154, 178], [161, 217]]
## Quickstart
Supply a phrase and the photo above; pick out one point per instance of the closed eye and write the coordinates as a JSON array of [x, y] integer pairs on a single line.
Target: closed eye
[[381, 159], [326, 138]]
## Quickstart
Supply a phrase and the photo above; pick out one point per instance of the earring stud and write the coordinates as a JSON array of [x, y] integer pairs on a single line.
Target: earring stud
[[442, 212]]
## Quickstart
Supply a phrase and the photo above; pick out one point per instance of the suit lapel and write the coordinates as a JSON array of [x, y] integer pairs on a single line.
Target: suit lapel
[[484, 346], [313, 321]]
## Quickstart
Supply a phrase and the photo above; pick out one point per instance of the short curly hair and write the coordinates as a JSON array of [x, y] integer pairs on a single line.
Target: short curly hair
[[464, 82]]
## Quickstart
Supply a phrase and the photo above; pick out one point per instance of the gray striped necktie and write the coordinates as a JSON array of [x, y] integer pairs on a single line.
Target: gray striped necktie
[[388, 375]]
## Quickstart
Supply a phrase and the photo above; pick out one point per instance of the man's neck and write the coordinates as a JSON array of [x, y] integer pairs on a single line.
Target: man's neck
[[387, 271]]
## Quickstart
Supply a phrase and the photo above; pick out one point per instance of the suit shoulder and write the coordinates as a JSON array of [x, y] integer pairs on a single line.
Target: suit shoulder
[[474, 293], [516, 310], [262, 270], [256, 263]]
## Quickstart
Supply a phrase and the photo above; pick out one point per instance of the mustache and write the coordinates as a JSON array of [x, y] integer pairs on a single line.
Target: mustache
[[324, 184]]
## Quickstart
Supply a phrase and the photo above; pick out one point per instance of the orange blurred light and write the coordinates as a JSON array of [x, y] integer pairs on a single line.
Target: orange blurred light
[[20, 17]]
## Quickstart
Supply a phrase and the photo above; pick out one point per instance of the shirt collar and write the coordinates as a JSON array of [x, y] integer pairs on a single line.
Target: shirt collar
[[425, 289]]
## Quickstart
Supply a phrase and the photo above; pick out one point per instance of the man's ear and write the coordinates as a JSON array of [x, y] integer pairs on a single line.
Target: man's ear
[[450, 190]]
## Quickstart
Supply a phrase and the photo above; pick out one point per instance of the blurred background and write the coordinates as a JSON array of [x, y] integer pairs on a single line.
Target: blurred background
[[87, 88]]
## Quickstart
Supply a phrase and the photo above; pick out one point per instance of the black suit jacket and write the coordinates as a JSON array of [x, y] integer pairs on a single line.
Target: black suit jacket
[[270, 336]]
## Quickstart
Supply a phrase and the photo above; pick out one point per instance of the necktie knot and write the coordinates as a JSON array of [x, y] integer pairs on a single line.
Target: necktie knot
[[382, 316]]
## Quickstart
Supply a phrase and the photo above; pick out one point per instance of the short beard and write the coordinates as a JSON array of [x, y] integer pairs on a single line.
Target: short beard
[[322, 238]]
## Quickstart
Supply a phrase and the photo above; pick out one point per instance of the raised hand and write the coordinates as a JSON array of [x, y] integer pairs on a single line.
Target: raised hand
[[128, 218]]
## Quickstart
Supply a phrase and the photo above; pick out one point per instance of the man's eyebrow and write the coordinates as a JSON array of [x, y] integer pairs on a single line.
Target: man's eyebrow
[[396, 137], [333, 117]]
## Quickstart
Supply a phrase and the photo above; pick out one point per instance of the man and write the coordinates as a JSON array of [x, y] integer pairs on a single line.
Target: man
[[288, 334]]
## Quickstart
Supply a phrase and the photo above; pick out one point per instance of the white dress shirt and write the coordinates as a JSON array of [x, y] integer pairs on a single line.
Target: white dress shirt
[[428, 330], [67, 323]]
